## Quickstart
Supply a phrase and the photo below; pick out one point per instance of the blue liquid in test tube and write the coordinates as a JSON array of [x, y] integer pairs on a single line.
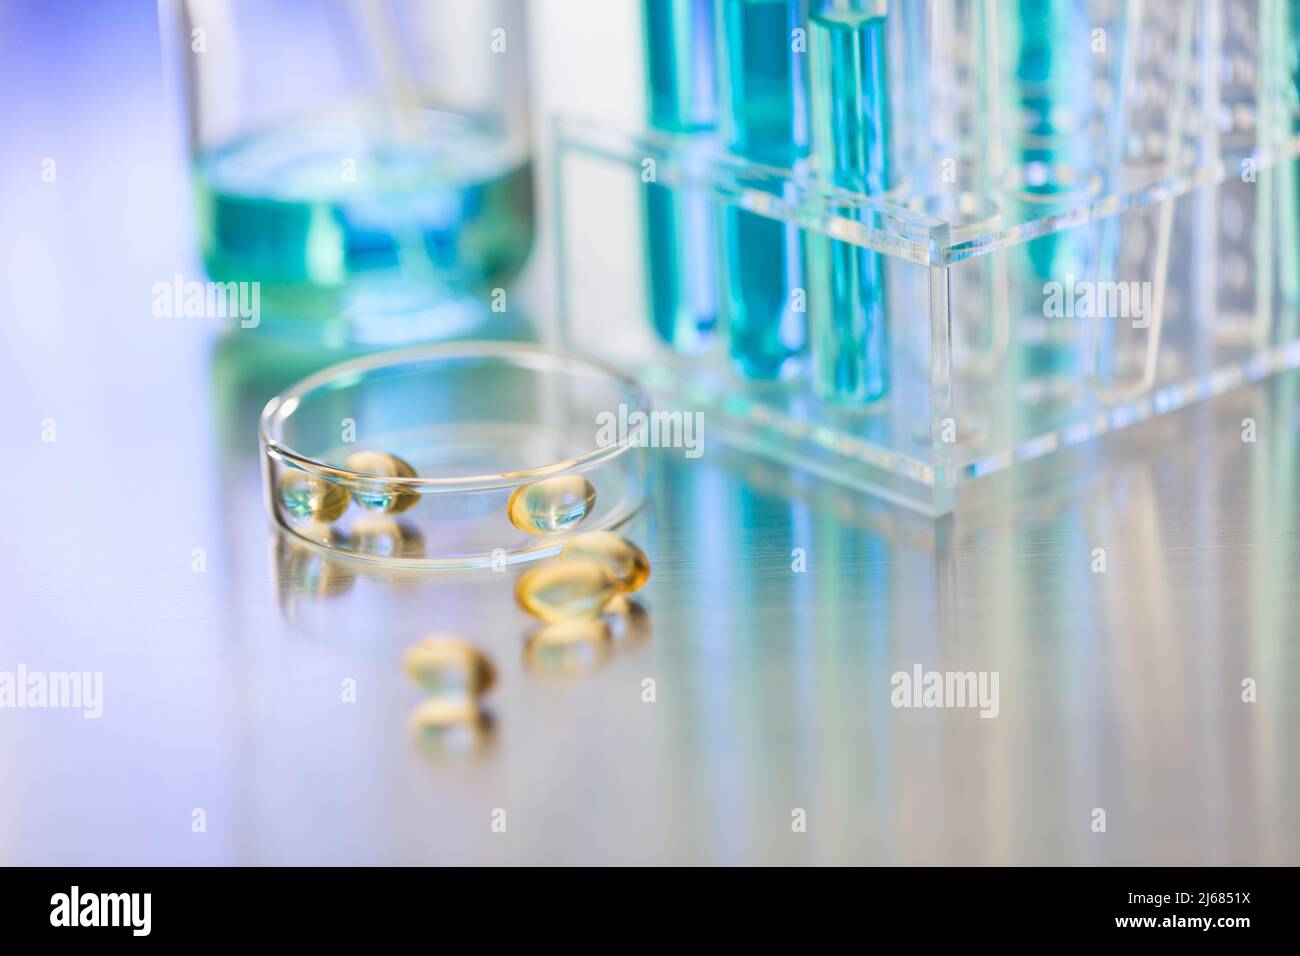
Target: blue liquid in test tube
[[1291, 224], [764, 119], [1049, 44], [681, 229], [850, 133]]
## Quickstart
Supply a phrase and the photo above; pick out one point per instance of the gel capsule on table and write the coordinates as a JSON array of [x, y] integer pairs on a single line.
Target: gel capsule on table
[[449, 666], [625, 561], [564, 590]]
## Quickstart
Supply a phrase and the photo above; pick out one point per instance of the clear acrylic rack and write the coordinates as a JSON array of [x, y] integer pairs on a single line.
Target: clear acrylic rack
[[1042, 288]]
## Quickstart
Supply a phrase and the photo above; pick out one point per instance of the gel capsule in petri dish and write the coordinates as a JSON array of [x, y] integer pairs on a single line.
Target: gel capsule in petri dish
[[389, 499], [311, 497], [552, 504]]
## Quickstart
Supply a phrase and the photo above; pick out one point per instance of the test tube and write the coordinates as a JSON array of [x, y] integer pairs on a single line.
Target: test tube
[[763, 118], [681, 240], [1291, 171], [1050, 59], [849, 332]]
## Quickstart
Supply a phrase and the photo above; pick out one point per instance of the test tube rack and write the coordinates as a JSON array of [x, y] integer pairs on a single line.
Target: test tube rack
[[1042, 291]]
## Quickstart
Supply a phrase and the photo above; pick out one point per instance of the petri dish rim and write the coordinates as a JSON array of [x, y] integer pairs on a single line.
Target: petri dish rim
[[536, 358]]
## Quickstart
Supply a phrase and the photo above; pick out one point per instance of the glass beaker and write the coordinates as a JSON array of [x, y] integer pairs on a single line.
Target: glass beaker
[[366, 162]]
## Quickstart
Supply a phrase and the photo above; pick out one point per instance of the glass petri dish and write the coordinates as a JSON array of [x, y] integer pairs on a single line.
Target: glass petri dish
[[483, 425]]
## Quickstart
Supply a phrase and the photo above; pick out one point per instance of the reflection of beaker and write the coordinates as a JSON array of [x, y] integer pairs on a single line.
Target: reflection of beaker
[[367, 163]]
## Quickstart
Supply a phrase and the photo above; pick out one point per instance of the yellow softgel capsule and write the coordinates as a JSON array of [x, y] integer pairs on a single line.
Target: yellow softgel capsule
[[389, 499], [626, 562], [563, 590], [569, 647], [449, 666], [311, 497], [552, 504]]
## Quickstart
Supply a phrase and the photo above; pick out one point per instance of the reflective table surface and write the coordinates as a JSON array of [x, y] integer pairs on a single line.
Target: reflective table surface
[[254, 705]]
